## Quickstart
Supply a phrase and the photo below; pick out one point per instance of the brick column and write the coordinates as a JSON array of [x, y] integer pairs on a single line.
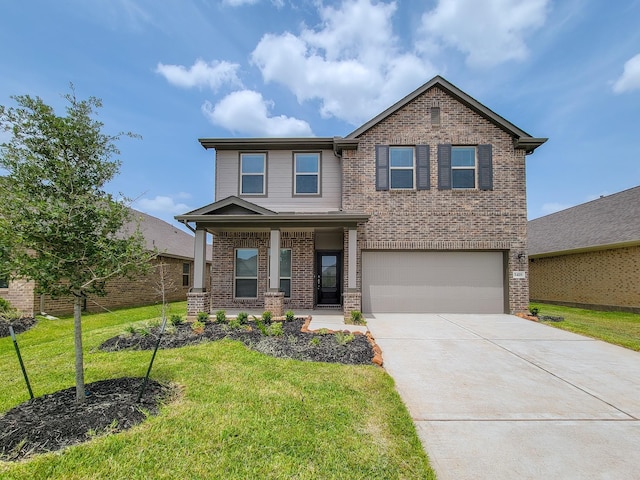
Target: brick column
[[197, 302], [351, 300], [274, 302]]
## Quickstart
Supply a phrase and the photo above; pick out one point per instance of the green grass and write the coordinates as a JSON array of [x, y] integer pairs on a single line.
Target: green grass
[[619, 328], [240, 414]]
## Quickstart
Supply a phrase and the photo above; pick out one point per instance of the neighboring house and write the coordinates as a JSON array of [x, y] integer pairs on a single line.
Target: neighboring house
[[589, 255], [421, 209], [176, 252]]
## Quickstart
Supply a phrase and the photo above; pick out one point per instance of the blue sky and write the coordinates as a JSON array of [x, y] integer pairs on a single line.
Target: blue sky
[[177, 70]]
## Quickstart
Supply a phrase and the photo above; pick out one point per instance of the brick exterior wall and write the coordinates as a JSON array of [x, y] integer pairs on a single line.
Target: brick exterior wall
[[121, 292], [604, 279], [302, 269], [447, 219]]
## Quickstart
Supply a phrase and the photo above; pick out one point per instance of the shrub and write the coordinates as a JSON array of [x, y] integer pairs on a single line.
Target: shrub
[[289, 316], [7, 312], [315, 341], [266, 317], [534, 311], [260, 326], [323, 331], [175, 320], [197, 326], [4, 305], [275, 329], [202, 317], [344, 338], [357, 318], [243, 318], [234, 323], [221, 316]]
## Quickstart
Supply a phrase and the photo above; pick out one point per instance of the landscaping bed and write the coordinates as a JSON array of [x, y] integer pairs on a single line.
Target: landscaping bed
[[56, 421], [291, 341], [19, 325]]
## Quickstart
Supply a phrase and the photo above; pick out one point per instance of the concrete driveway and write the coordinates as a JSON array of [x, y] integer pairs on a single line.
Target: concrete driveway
[[499, 397]]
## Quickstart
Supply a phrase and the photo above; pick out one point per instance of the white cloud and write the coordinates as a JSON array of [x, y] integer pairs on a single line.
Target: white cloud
[[553, 207], [201, 74], [164, 204], [352, 63], [489, 32], [630, 78], [246, 112]]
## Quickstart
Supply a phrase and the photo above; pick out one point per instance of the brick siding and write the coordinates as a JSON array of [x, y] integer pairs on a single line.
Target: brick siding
[[442, 219], [604, 279]]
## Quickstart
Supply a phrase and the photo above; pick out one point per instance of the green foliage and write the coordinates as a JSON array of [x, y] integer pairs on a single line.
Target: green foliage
[[357, 318], [315, 341], [261, 326], [235, 324], [176, 320], [202, 317], [197, 326], [4, 305], [534, 310], [323, 331], [344, 338], [7, 312], [289, 316], [275, 329], [221, 316], [243, 318], [266, 317]]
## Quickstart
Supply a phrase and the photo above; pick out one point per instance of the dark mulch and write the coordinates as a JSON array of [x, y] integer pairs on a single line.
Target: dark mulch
[[19, 325], [293, 343], [56, 421]]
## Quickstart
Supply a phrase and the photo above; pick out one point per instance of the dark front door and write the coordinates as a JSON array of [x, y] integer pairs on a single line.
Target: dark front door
[[329, 273]]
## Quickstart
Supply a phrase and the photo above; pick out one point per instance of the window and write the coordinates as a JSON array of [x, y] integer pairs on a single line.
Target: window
[[253, 168], [306, 168], [401, 167], [186, 274], [463, 167], [285, 270], [246, 274], [4, 283]]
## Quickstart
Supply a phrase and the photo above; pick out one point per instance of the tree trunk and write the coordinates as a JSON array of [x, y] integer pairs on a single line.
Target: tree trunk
[[77, 329]]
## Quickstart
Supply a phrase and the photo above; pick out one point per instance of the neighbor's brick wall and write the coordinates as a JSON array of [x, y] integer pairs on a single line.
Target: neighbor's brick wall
[[448, 219], [123, 292], [608, 279], [20, 296], [302, 269]]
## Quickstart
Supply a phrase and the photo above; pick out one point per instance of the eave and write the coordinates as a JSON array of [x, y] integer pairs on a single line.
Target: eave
[[295, 143]]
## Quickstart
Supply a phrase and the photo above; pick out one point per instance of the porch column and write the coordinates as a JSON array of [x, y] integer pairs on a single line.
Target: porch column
[[200, 261], [198, 299], [274, 298], [352, 297]]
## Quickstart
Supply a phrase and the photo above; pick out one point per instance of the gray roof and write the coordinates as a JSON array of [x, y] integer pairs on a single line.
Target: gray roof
[[610, 221], [169, 240]]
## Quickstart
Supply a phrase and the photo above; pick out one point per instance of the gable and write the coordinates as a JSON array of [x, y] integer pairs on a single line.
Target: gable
[[231, 205]]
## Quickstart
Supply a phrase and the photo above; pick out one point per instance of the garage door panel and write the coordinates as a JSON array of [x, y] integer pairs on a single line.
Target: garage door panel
[[433, 282]]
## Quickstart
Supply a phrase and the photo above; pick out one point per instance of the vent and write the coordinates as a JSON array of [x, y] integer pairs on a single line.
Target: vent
[[435, 116]]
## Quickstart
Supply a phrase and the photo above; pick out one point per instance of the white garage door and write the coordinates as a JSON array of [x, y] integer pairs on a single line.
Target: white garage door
[[432, 282]]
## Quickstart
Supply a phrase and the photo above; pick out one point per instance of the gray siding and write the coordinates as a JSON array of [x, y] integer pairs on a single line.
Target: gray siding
[[280, 182]]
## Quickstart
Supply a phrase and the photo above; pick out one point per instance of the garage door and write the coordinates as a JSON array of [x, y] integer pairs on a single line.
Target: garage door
[[432, 282]]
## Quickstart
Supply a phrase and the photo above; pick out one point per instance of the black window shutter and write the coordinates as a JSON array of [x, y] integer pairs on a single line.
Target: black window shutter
[[444, 166], [422, 163], [382, 167], [485, 167]]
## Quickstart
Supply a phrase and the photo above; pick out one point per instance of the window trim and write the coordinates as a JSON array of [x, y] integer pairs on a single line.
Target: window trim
[[412, 168], [236, 277], [474, 168], [295, 175], [290, 278], [265, 160]]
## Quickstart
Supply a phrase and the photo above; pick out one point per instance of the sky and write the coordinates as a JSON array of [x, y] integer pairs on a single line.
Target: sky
[[174, 71]]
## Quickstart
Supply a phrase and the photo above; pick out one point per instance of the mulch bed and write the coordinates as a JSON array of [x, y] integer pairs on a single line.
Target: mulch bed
[[19, 325], [293, 343], [56, 421]]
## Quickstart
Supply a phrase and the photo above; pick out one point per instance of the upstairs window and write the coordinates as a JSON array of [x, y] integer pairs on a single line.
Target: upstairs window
[[253, 168], [463, 167], [401, 167], [306, 172]]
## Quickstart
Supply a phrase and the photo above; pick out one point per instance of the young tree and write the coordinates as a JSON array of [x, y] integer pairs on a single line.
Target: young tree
[[58, 226]]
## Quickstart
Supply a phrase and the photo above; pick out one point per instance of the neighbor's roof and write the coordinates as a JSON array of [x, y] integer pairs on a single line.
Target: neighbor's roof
[[169, 240], [609, 221]]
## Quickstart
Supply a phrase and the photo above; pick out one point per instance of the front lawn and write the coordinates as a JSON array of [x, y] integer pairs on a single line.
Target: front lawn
[[240, 413], [619, 328]]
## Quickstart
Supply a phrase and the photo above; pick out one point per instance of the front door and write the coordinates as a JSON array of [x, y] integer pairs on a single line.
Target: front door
[[329, 273]]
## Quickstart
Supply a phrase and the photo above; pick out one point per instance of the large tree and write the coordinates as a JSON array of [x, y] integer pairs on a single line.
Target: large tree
[[58, 224]]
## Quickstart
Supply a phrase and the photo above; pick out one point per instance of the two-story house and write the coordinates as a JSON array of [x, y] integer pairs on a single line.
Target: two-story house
[[421, 209]]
